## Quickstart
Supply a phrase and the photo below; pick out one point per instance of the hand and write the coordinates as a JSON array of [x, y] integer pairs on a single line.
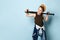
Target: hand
[[26, 11], [48, 13]]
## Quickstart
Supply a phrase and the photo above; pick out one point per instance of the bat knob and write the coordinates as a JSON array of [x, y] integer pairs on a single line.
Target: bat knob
[[26, 11]]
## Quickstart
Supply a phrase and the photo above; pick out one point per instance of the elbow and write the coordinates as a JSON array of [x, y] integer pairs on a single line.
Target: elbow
[[46, 19]]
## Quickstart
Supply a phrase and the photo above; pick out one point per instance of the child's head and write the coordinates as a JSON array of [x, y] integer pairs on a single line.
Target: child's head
[[41, 8]]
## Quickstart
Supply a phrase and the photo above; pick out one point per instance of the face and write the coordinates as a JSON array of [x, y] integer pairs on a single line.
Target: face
[[39, 10]]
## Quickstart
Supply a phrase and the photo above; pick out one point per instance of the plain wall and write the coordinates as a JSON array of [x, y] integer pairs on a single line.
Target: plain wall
[[14, 25]]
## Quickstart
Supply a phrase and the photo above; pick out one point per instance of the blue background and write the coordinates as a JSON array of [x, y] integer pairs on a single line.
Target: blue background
[[14, 25]]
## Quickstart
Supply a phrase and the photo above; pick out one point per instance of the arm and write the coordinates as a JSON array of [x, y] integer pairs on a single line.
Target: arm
[[30, 15], [46, 18]]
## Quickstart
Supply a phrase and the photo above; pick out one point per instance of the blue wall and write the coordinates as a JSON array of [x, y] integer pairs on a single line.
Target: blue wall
[[14, 25]]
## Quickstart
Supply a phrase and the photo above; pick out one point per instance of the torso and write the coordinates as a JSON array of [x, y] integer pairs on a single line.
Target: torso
[[39, 20]]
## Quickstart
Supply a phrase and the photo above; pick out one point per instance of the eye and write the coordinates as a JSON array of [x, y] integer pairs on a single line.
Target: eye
[[40, 10]]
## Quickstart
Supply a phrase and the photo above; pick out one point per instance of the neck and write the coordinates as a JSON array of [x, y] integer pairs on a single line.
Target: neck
[[39, 13]]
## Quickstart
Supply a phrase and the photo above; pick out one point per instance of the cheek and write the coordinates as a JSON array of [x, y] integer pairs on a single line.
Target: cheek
[[41, 11]]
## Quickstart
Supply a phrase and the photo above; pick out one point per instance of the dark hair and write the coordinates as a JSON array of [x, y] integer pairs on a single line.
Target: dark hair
[[42, 8]]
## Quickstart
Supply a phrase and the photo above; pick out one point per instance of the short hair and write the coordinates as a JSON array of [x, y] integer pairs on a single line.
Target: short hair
[[43, 6]]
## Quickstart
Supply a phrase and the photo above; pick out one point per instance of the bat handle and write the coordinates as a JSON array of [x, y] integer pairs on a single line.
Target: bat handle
[[48, 13]]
